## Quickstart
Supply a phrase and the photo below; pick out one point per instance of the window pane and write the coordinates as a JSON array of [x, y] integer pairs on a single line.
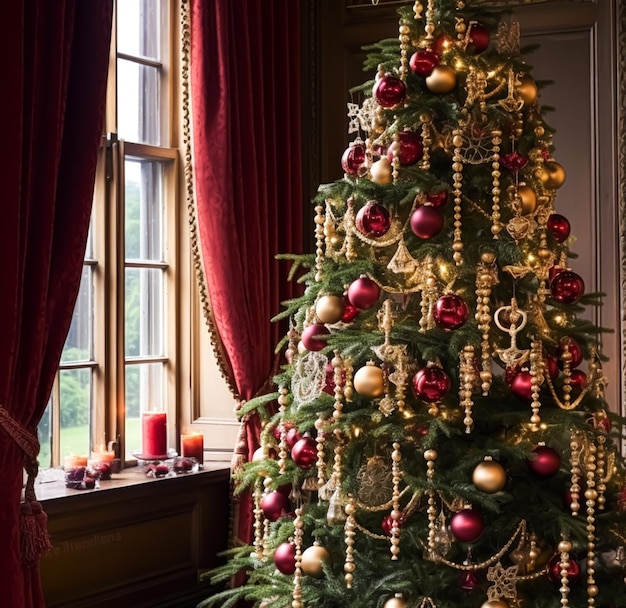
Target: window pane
[[44, 433], [138, 28], [78, 344], [144, 312], [144, 392], [138, 94], [75, 406]]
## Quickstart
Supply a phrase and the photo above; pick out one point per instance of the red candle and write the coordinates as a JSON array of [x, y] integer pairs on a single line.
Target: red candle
[[192, 446], [153, 434]]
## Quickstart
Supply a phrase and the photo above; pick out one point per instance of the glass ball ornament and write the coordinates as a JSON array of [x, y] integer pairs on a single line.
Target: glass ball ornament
[[467, 525], [527, 90], [431, 384], [489, 476], [304, 452], [450, 312], [353, 159], [578, 381], [313, 336], [389, 91], [426, 222], [373, 220], [521, 385], [407, 147], [479, 38], [363, 293], [575, 352], [369, 381], [350, 312], [293, 435], [313, 559], [443, 43], [274, 505], [285, 558], [330, 308], [545, 463], [527, 199], [423, 62], [567, 287], [442, 80], [437, 199], [495, 604], [553, 570], [387, 523], [395, 602], [559, 227], [552, 175]]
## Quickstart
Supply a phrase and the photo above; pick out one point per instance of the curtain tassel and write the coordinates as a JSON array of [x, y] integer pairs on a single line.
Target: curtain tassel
[[34, 537]]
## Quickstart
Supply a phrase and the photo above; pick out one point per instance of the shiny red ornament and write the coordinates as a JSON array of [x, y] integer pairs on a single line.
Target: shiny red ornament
[[437, 199], [574, 350], [567, 287], [552, 366], [578, 381], [479, 38], [274, 505], [313, 336], [546, 462], [350, 312], [431, 384], [363, 293], [514, 161], [424, 62], [450, 312], [293, 435], [285, 558], [443, 43], [553, 569], [554, 271], [469, 580], [330, 379], [559, 227], [389, 91], [373, 220], [353, 159], [387, 523], [426, 222], [407, 147], [521, 385], [304, 452], [467, 525]]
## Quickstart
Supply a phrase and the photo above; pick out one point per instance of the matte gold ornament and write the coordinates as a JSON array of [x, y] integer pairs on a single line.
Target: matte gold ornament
[[369, 381], [313, 559], [527, 90], [489, 476], [528, 199], [329, 309], [442, 80], [552, 175], [381, 171], [395, 602]]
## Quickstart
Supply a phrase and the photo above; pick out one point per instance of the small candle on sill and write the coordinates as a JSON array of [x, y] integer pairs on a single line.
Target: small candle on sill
[[102, 455], [153, 433], [73, 461], [192, 446]]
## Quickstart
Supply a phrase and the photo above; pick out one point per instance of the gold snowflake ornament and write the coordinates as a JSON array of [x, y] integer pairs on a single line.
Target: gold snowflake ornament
[[503, 582]]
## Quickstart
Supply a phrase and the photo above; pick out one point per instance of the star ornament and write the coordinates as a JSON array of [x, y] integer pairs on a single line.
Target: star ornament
[[503, 582]]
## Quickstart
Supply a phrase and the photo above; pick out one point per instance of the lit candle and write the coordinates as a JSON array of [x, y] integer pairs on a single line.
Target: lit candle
[[102, 455], [192, 446], [154, 434], [72, 461]]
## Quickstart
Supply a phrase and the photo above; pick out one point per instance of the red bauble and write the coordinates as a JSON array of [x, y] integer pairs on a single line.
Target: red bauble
[[424, 62], [521, 385], [313, 336], [407, 147], [514, 161], [553, 570], [467, 525], [304, 452], [559, 227], [546, 462], [285, 558], [431, 384], [567, 287], [443, 43], [293, 435], [450, 312], [437, 199], [553, 271], [578, 381], [387, 523], [469, 580], [274, 505], [363, 293], [426, 222], [576, 353], [479, 38], [350, 312], [353, 159], [373, 220], [389, 91]]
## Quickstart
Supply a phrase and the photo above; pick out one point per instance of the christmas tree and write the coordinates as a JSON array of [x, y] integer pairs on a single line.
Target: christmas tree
[[440, 436]]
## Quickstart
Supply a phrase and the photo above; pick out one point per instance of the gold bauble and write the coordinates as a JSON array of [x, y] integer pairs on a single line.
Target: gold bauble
[[489, 476], [552, 175], [442, 79], [369, 381], [495, 604], [329, 309], [527, 90], [528, 199], [395, 602], [381, 171], [312, 560]]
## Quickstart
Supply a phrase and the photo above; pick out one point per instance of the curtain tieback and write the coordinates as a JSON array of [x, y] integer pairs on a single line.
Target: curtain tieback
[[33, 519]]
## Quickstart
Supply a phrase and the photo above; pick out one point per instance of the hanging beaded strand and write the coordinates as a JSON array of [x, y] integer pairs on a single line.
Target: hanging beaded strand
[[486, 278], [468, 379], [536, 380], [396, 476], [258, 521], [338, 374], [319, 241], [429, 28], [591, 495], [349, 531], [320, 440], [405, 46], [426, 121], [575, 471], [283, 401], [564, 549], [457, 178], [297, 576], [430, 456], [496, 224]]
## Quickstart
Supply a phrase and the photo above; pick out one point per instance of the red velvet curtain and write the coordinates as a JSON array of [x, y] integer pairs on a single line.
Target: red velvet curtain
[[245, 84], [53, 91]]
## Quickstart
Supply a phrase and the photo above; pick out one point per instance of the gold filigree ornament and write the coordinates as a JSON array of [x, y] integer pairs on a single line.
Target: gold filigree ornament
[[402, 261], [375, 482], [512, 355], [520, 227], [504, 582], [309, 377], [508, 38], [353, 117]]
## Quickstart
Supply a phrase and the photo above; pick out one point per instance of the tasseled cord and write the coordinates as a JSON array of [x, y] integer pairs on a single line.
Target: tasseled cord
[[34, 537]]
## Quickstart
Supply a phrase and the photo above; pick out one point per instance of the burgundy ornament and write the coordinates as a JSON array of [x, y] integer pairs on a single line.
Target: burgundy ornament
[[443, 43], [426, 222], [407, 147], [424, 62], [293, 435], [387, 523], [389, 91], [431, 384], [304, 452], [353, 159], [574, 350], [600, 420], [521, 385], [373, 220], [450, 312], [559, 227], [553, 570], [479, 38], [274, 505], [313, 336], [567, 287], [285, 558], [546, 462], [437, 199], [552, 366], [514, 161], [350, 312], [467, 525], [469, 580], [363, 293], [553, 272], [578, 381]]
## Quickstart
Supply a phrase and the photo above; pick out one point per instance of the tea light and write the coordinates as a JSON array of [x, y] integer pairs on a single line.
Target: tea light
[[154, 433], [192, 446], [102, 455], [73, 461]]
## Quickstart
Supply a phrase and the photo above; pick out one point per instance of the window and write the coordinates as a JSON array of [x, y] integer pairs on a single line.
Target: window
[[123, 354]]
